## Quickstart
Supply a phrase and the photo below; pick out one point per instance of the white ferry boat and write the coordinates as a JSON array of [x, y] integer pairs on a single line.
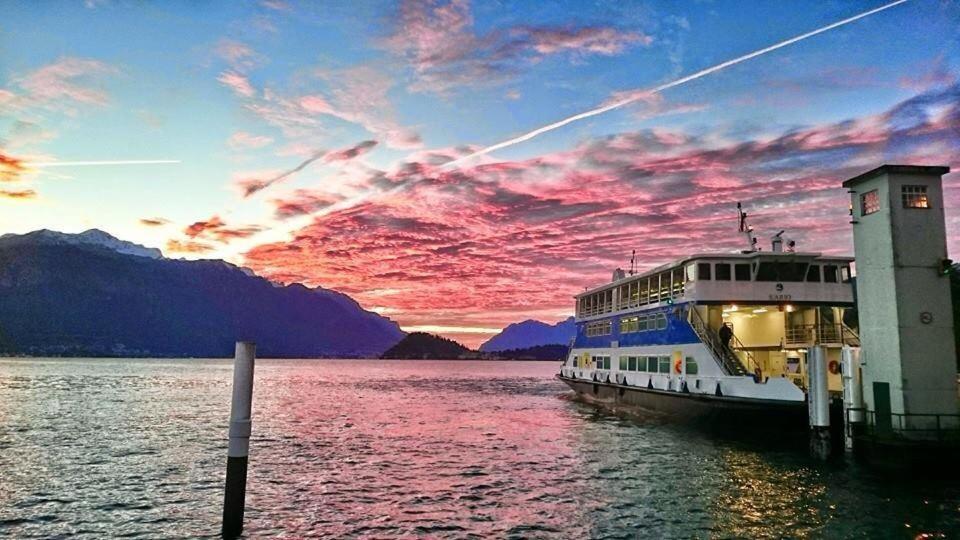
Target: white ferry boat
[[655, 339]]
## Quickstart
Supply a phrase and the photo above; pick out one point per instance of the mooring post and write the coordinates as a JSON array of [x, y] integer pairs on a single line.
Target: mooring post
[[853, 416], [818, 402], [239, 446]]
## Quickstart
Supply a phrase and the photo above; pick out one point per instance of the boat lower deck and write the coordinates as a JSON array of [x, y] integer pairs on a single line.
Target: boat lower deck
[[688, 405]]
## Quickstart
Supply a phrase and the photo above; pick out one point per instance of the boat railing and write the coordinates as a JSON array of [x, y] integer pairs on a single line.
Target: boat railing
[[807, 335], [728, 359], [750, 361]]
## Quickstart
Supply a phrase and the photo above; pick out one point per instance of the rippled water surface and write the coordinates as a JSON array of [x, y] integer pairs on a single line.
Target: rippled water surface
[[383, 449]]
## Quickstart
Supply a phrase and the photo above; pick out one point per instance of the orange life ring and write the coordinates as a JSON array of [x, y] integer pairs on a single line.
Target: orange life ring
[[834, 367], [678, 365]]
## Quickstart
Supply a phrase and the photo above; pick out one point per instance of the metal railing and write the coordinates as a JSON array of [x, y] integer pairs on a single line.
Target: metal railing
[[902, 426], [731, 363], [807, 335]]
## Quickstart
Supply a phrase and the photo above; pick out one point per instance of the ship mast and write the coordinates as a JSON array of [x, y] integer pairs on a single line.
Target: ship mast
[[747, 231]]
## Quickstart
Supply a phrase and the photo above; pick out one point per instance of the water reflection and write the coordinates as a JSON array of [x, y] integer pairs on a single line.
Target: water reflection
[[407, 449]]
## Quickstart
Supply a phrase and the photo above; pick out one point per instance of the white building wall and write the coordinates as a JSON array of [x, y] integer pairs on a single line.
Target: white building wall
[[898, 253]]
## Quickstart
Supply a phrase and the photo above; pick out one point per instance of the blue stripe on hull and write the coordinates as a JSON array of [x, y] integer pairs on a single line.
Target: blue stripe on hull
[[677, 332]]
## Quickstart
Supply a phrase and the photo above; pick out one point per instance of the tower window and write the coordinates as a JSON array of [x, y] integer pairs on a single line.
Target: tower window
[[915, 196], [869, 202]]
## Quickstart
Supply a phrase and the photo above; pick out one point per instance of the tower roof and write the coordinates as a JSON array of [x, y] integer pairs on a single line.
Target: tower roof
[[938, 170]]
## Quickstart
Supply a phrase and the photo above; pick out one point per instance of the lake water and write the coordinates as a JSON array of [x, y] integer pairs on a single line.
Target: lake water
[[384, 449]]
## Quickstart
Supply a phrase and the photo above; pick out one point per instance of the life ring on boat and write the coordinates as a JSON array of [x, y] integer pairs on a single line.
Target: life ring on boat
[[678, 366], [834, 367]]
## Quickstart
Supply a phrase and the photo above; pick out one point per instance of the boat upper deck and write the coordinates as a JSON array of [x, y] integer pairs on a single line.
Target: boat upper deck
[[754, 277]]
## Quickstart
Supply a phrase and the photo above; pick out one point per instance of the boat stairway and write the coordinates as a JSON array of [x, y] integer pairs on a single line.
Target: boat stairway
[[724, 355]]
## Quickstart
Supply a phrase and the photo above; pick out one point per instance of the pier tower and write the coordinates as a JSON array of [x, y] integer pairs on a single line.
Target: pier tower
[[903, 292]]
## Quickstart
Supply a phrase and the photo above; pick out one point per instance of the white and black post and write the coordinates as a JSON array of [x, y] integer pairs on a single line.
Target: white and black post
[[239, 446], [818, 402]]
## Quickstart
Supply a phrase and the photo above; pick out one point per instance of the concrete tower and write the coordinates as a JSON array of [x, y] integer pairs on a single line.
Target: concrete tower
[[904, 307]]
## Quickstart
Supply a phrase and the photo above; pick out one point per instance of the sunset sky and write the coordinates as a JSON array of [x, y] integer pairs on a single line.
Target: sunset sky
[[307, 140]]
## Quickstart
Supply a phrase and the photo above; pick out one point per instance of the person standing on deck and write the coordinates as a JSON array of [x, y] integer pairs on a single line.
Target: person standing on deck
[[726, 334]]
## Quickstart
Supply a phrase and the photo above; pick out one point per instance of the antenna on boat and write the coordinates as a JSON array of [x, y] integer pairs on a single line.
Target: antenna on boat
[[747, 230], [776, 242], [633, 260]]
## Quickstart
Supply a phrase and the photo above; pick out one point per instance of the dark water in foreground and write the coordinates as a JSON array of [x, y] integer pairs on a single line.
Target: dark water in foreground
[[374, 449]]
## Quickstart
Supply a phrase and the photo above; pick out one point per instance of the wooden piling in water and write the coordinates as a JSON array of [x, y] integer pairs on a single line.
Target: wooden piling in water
[[238, 449]]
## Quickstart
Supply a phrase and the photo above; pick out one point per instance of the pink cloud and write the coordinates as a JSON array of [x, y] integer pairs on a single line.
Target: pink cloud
[[238, 56], [238, 83], [22, 194], [180, 246], [358, 95], [491, 244], [216, 229], [443, 49], [242, 140], [11, 168], [64, 86], [598, 40]]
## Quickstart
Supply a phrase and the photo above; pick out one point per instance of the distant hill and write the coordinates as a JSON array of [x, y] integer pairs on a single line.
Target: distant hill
[[94, 295], [531, 333], [420, 345], [539, 352]]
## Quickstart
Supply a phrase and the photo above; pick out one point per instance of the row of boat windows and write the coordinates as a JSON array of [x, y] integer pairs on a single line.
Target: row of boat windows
[[643, 323], [628, 325], [639, 292], [792, 271], [671, 284], [599, 328], [645, 364]]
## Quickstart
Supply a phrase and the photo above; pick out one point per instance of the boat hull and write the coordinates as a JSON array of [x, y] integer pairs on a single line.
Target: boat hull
[[688, 405]]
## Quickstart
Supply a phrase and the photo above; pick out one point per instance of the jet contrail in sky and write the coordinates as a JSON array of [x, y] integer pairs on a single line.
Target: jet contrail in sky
[[47, 164], [639, 94], [636, 95]]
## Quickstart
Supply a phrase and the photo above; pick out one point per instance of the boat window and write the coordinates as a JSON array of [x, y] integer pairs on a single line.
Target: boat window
[[845, 275], [664, 286], [661, 321], [602, 362], [813, 273], [703, 271], [644, 291], [723, 271], [623, 363], [599, 328], [654, 289], [829, 273], [692, 367], [652, 364], [629, 325], [691, 271], [664, 364], [742, 272], [678, 282], [782, 271], [632, 363]]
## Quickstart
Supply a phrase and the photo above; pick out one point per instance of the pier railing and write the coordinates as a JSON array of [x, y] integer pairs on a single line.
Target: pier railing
[[903, 427]]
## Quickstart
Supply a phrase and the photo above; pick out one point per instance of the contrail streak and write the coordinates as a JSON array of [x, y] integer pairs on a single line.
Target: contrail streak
[[47, 164], [297, 223], [641, 94]]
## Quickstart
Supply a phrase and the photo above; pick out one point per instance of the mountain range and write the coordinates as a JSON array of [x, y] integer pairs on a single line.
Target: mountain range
[[531, 333], [91, 294]]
